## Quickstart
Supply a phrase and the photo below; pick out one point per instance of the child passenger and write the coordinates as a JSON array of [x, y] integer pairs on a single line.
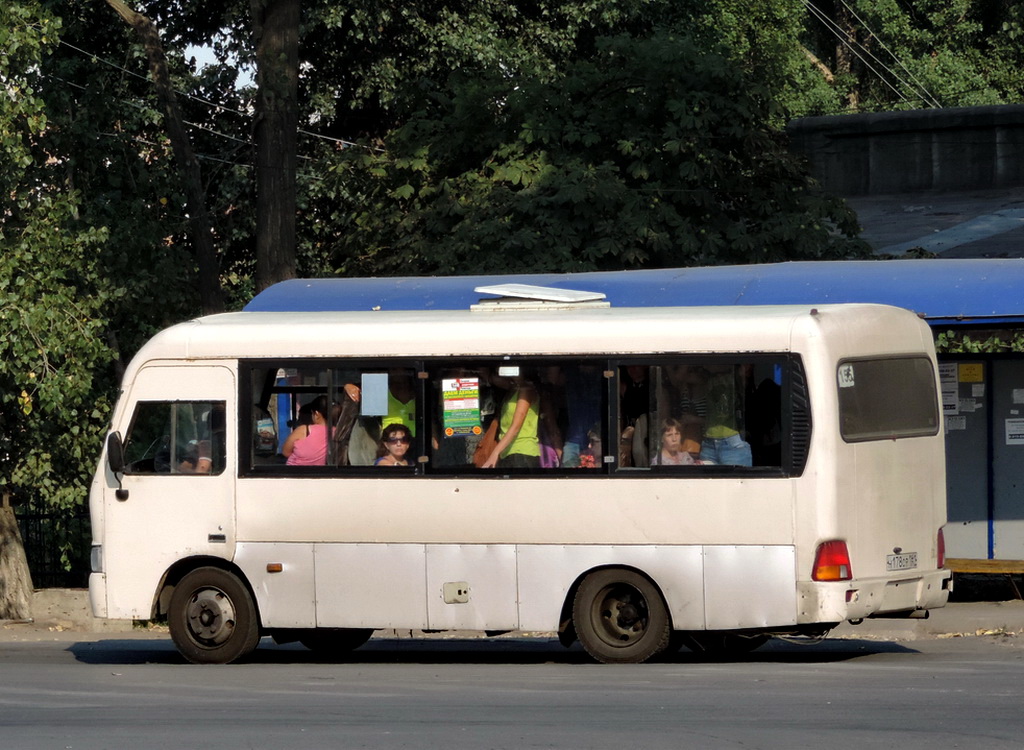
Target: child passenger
[[672, 452]]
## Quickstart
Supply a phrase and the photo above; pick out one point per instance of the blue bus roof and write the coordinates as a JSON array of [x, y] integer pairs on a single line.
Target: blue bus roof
[[944, 291]]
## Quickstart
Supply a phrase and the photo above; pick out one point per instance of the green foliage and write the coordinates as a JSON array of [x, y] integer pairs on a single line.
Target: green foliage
[[52, 343], [651, 153], [91, 258], [912, 55], [980, 342]]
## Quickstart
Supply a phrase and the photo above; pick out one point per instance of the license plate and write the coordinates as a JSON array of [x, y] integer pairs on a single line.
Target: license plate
[[904, 561]]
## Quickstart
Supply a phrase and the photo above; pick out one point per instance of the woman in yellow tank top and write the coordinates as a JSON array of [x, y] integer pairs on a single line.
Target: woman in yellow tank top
[[518, 445]]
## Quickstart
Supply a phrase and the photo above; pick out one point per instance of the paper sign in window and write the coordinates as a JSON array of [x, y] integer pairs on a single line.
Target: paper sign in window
[[461, 397]]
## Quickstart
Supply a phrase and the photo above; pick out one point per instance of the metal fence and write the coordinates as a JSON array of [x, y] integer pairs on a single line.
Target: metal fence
[[56, 545]]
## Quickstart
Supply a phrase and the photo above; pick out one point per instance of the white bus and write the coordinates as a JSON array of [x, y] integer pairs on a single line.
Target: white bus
[[706, 477]]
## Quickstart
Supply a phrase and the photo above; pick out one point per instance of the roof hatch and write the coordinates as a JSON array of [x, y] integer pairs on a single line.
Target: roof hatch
[[527, 297]]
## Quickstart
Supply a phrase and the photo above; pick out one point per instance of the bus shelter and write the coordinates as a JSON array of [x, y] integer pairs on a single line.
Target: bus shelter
[[982, 394]]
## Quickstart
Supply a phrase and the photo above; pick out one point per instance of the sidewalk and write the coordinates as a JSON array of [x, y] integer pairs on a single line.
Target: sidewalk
[[955, 619], [59, 611]]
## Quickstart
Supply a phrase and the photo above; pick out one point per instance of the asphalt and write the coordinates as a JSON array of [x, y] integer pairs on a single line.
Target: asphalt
[[61, 614]]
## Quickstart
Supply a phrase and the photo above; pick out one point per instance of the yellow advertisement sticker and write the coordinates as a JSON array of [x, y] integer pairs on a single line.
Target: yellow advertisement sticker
[[972, 372]]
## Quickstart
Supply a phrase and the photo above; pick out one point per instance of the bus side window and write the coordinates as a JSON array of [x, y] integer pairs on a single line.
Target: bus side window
[[562, 427], [725, 413]]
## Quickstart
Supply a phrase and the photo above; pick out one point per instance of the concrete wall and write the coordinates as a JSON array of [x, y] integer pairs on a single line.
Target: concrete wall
[[969, 148]]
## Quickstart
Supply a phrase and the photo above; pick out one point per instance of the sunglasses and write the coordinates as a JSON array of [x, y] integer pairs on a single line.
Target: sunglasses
[[392, 441]]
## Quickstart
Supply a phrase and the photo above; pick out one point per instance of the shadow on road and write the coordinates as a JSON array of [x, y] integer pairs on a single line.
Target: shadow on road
[[512, 651]]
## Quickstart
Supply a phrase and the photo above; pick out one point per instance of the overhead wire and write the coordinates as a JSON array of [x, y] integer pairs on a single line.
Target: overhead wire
[[833, 27], [208, 103], [928, 98]]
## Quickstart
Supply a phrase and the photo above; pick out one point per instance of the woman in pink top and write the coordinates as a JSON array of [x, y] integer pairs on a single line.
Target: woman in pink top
[[307, 445]]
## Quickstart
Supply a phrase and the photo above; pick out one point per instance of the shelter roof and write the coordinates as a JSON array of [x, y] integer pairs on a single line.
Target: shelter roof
[[943, 291]]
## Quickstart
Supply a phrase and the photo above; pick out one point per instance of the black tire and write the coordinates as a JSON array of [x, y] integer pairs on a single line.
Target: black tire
[[212, 617], [334, 642], [719, 643], [620, 617]]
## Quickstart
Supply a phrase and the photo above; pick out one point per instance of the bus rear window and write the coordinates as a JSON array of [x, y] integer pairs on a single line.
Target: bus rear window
[[881, 399]]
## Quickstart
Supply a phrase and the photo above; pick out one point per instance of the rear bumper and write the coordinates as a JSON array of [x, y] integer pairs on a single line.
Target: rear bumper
[[857, 599]]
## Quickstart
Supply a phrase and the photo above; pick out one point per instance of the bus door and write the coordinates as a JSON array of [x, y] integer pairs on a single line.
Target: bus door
[[177, 490]]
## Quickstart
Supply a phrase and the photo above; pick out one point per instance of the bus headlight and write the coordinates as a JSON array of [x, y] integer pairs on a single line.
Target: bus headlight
[[96, 558]]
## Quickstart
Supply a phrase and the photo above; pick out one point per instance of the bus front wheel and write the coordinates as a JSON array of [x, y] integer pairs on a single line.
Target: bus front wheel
[[212, 617], [620, 617]]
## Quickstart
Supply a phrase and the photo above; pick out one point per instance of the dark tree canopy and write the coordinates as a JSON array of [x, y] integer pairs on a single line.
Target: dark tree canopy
[[651, 153]]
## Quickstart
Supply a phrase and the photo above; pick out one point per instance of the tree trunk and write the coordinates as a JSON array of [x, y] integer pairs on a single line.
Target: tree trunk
[[15, 579], [276, 32], [844, 56], [210, 293]]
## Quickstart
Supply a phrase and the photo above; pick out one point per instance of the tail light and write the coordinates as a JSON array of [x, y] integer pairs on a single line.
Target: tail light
[[940, 549], [832, 562]]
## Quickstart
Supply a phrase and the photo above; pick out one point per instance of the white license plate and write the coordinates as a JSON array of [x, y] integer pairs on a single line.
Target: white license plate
[[904, 561]]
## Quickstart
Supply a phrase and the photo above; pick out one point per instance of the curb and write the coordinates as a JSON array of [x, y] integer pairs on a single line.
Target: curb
[[58, 610]]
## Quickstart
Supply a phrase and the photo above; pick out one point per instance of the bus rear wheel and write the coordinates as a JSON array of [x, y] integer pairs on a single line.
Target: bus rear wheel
[[212, 617], [334, 642], [620, 617]]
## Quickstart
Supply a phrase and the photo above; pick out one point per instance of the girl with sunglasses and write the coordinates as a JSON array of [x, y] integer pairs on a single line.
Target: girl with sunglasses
[[393, 449]]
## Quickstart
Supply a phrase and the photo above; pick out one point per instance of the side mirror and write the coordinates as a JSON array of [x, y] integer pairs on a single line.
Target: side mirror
[[115, 453]]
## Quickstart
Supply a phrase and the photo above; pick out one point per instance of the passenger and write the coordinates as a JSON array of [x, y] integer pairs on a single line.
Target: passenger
[[672, 452], [307, 443], [401, 399], [344, 418], [395, 440], [723, 443], [519, 443], [692, 404], [634, 404], [217, 451], [584, 386], [551, 390], [590, 457], [199, 459]]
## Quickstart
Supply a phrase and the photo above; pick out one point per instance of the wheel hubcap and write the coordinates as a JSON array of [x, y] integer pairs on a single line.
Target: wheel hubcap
[[621, 615], [211, 617]]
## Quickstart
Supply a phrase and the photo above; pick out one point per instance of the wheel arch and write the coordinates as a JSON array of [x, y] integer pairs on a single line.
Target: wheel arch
[[181, 568]]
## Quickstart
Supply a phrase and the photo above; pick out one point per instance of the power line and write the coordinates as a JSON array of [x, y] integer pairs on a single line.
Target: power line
[[928, 98], [208, 103], [833, 27]]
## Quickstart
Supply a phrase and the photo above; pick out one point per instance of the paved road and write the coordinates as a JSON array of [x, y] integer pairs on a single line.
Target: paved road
[[134, 691]]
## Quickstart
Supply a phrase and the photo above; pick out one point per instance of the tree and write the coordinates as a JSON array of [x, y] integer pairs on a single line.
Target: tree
[[52, 301], [276, 33], [651, 153], [15, 577], [879, 55], [202, 238]]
